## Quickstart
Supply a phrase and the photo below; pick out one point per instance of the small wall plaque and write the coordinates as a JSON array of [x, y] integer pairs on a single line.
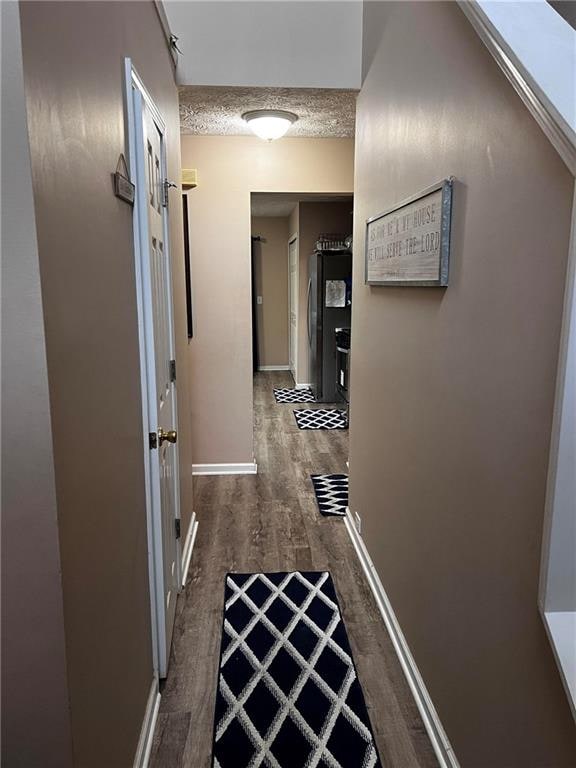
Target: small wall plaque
[[123, 187], [409, 244]]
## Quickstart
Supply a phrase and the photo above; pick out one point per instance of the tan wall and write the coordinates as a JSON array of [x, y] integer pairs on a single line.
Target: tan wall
[[229, 169], [313, 220], [35, 716], [271, 282], [73, 64], [452, 390]]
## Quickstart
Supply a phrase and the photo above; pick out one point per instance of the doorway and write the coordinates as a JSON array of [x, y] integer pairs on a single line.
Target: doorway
[[254, 242], [147, 164], [287, 228], [293, 303]]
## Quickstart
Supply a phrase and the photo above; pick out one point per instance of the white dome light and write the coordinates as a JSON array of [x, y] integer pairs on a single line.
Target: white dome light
[[269, 124]]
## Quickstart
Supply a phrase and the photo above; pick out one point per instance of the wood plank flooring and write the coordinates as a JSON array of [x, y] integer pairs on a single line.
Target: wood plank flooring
[[270, 522]]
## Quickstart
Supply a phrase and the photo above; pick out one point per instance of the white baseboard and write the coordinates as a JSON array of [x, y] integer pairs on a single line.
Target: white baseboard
[[188, 547], [274, 368], [303, 386], [436, 732], [144, 747], [250, 468]]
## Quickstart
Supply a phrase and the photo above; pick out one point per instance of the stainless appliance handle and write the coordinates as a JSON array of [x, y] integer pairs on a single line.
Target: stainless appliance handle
[[308, 312]]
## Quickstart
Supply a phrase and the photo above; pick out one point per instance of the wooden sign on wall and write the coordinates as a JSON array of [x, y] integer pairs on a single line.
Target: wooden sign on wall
[[409, 244]]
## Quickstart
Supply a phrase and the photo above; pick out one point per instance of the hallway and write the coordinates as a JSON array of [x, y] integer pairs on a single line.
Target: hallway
[[270, 522], [144, 468]]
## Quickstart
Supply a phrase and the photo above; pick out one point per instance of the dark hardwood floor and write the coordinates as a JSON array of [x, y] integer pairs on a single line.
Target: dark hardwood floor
[[270, 522]]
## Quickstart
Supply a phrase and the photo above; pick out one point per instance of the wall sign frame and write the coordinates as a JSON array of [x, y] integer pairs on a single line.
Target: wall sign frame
[[123, 187], [409, 244]]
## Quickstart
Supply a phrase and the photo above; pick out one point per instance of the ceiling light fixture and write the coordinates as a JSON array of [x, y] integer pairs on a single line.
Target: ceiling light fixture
[[269, 124]]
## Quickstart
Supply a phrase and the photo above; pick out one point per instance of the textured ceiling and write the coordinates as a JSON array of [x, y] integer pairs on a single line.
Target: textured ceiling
[[282, 203], [215, 110]]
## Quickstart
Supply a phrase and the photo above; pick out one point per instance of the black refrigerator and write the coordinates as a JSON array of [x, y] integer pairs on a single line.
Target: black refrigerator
[[329, 307]]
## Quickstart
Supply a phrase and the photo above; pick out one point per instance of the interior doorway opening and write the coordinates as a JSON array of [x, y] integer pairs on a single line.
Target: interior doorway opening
[[301, 288]]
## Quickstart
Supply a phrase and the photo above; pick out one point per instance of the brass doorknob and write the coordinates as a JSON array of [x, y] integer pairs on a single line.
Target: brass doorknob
[[170, 436]]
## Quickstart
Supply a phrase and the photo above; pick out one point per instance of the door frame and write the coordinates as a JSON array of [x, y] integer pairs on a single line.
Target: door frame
[[136, 167], [255, 353], [293, 239]]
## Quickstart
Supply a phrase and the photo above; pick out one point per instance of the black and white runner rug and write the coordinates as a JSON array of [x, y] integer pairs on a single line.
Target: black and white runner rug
[[331, 493], [294, 396], [288, 694], [321, 418]]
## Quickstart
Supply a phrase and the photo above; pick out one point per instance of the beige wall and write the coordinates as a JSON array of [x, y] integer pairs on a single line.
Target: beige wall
[[452, 390], [35, 715], [73, 65], [271, 282], [315, 218], [229, 169]]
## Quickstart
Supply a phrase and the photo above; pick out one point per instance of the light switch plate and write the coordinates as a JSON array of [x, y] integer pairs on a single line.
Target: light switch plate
[[258, 299]]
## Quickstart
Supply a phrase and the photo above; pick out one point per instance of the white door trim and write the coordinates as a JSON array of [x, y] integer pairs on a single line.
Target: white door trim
[[132, 167], [146, 348], [293, 354]]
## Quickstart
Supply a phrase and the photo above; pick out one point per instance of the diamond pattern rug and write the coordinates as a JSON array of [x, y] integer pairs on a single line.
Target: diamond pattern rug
[[331, 493], [294, 396], [288, 694], [321, 418]]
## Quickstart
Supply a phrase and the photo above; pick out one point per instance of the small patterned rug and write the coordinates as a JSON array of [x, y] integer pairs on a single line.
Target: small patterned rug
[[294, 396], [331, 493], [288, 693], [321, 418]]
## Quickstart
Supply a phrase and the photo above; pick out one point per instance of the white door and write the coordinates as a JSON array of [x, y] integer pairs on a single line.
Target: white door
[[293, 303], [160, 368]]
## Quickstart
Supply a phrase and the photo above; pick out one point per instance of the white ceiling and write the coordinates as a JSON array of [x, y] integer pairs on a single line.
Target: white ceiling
[[282, 204], [278, 44], [322, 112]]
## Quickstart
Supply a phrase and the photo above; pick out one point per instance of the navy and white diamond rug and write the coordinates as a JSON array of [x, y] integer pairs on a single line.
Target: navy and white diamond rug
[[331, 493], [294, 396], [288, 694], [321, 418]]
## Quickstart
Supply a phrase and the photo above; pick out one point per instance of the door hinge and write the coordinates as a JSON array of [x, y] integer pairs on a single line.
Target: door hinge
[[177, 527], [153, 440], [172, 370], [165, 187]]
